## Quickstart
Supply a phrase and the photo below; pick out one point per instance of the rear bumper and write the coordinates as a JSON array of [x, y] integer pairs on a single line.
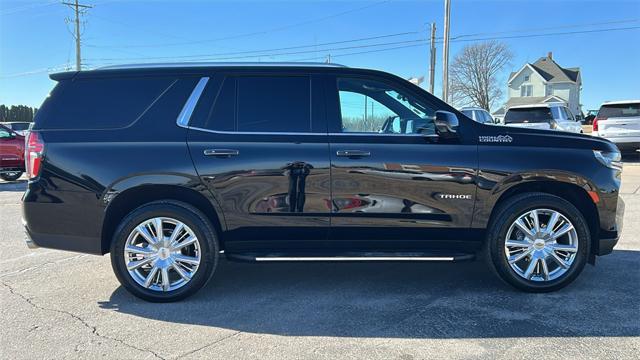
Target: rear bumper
[[63, 220], [625, 143]]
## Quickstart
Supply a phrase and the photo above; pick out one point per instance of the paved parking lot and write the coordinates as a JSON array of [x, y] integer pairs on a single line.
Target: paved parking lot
[[63, 305]]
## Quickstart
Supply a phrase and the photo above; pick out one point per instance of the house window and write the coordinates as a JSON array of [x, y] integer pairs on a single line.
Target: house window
[[526, 78], [526, 90]]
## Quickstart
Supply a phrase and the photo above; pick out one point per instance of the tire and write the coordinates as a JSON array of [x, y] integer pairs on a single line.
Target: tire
[[544, 277], [172, 262], [12, 176]]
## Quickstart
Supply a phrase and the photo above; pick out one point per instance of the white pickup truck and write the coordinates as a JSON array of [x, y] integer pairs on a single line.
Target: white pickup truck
[[619, 121]]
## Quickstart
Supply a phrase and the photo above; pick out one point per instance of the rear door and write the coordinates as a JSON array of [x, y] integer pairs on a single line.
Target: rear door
[[259, 143], [393, 187], [619, 120]]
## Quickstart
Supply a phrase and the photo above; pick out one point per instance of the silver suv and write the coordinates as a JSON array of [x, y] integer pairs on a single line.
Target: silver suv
[[619, 121], [553, 116], [478, 114]]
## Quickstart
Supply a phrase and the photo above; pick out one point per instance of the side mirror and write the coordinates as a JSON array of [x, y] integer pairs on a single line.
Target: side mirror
[[446, 123]]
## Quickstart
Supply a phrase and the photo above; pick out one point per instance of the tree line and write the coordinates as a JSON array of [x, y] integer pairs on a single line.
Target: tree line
[[17, 113]]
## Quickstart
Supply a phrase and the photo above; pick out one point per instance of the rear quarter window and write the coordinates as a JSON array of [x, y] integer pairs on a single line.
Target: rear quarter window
[[100, 103]]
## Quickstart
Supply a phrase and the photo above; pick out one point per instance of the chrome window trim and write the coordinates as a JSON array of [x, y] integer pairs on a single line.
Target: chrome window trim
[[293, 133], [187, 110], [189, 106]]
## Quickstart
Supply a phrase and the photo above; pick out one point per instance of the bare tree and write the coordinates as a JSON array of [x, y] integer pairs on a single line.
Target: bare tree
[[474, 74]]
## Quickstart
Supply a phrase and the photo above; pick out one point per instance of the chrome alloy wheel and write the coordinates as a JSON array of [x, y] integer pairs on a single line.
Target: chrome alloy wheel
[[162, 254], [541, 245]]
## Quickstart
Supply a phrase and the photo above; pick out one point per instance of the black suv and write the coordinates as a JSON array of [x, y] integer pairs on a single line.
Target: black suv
[[169, 167]]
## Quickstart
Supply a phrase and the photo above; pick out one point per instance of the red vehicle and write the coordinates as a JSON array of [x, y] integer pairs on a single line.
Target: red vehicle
[[11, 154]]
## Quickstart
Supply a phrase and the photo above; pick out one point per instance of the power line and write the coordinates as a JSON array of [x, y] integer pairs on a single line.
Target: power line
[[421, 42], [266, 50], [549, 28], [406, 42], [261, 32], [21, 8], [260, 53], [467, 40]]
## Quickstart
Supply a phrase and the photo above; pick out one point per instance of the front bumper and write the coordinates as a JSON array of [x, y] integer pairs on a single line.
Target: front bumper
[[609, 239]]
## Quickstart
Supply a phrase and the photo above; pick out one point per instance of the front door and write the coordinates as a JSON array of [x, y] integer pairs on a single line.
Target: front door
[[260, 145], [394, 183]]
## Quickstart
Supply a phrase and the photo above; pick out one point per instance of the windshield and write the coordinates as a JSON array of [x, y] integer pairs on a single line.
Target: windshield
[[528, 115], [619, 110]]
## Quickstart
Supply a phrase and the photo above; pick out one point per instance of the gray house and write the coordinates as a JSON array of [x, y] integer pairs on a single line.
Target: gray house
[[545, 81]]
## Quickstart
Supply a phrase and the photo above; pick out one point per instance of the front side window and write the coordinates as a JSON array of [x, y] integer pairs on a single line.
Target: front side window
[[526, 90], [368, 106]]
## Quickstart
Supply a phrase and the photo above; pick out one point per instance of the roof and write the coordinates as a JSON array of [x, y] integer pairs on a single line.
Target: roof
[[471, 108], [215, 65], [542, 105], [500, 111], [191, 67], [621, 102], [551, 71]]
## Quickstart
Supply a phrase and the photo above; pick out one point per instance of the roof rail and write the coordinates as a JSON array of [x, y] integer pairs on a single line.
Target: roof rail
[[216, 64]]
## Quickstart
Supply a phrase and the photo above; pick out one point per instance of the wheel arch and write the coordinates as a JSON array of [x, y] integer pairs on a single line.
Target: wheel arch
[[571, 192], [128, 200]]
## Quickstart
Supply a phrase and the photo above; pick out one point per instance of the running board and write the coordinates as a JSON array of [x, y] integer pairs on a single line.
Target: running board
[[280, 257]]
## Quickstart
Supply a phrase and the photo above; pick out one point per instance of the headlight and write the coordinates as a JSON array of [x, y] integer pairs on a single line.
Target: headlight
[[610, 159]]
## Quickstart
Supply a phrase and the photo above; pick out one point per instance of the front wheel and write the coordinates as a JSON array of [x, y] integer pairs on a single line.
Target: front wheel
[[538, 242], [11, 176], [164, 251]]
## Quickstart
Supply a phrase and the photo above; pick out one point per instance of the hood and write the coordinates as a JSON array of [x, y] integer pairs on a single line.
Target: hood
[[520, 136]]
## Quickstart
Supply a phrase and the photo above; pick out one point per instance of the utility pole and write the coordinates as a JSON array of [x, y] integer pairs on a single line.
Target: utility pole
[[445, 52], [328, 59], [432, 60], [77, 7]]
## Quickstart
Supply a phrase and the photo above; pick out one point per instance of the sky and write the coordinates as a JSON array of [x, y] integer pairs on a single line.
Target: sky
[[36, 37]]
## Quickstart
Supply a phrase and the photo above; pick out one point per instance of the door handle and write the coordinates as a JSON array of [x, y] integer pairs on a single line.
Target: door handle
[[221, 152], [353, 153]]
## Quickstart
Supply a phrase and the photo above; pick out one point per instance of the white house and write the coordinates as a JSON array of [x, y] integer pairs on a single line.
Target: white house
[[545, 81]]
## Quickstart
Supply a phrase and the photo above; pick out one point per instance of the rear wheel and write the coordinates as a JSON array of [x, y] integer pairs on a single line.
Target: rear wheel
[[538, 242], [11, 176], [164, 251]]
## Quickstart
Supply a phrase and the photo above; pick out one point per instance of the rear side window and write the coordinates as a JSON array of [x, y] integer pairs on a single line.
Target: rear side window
[[273, 104], [530, 115], [619, 110], [100, 103], [258, 104]]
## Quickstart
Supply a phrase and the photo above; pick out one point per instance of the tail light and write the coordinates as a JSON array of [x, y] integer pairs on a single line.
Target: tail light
[[33, 154], [595, 124]]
